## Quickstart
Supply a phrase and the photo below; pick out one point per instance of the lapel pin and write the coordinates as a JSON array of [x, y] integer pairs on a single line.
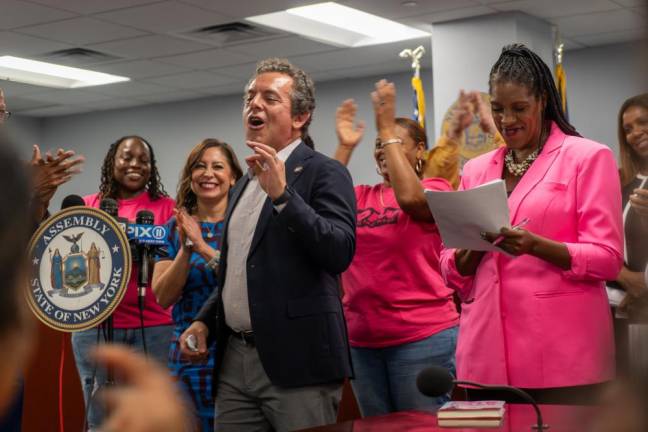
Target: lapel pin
[[298, 169]]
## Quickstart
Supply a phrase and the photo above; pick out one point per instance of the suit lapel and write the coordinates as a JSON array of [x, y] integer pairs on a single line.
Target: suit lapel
[[536, 171], [294, 167]]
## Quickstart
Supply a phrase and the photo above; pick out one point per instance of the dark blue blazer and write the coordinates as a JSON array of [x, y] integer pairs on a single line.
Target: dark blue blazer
[[293, 269]]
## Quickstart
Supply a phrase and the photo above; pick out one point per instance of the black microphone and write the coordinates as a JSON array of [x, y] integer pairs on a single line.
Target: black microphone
[[436, 381], [144, 217], [71, 201], [111, 207]]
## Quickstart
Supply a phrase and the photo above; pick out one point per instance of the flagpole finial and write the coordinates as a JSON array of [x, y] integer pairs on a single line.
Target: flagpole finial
[[415, 54], [559, 52]]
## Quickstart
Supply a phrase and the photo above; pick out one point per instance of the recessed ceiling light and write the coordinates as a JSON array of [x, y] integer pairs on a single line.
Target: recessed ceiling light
[[52, 75], [338, 25]]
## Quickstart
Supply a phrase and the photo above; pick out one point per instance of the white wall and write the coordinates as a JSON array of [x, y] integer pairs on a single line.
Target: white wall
[[598, 81], [174, 128], [24, 132]]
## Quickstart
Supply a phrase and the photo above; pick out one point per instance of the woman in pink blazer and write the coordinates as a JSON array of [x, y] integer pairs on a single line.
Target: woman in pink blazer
[[539, 319]]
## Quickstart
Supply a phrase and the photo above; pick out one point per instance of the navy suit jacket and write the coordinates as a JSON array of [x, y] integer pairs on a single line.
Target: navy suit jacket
[[293, 269]]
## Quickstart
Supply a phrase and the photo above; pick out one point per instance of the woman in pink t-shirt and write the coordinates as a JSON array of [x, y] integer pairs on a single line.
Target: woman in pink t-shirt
[[401, 316], [129, 175]]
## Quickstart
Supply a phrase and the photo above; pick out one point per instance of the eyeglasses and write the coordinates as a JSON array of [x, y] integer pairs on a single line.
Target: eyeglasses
[[4, 115]]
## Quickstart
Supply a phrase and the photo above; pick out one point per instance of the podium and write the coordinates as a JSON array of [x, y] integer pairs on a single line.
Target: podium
[[518, 418]]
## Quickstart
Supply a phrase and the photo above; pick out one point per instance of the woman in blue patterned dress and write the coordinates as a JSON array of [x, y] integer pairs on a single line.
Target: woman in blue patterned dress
[[185, 278]]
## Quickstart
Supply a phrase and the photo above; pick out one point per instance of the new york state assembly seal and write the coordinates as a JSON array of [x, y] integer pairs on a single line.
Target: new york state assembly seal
[[80, 265]]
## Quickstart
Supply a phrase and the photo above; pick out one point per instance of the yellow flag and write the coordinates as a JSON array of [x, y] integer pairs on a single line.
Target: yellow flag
[[561, 84]]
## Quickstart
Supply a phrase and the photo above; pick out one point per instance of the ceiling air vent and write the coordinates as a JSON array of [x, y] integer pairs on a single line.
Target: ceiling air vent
[[77, 57], [228, 34]]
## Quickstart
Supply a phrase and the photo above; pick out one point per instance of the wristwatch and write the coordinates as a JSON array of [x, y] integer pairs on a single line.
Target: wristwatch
[[283, 198]]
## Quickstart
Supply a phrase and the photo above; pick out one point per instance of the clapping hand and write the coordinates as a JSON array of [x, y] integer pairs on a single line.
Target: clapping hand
[[349, 133], [462, 115], [384, 104]]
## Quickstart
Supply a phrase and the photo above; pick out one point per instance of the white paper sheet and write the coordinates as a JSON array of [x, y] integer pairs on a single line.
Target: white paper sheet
[[461, 216]]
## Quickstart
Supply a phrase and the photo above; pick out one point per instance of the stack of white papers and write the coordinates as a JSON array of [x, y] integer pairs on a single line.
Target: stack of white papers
[[461, 216]]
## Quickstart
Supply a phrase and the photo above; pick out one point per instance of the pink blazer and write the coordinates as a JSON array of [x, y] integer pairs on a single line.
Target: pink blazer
[[526, 322]]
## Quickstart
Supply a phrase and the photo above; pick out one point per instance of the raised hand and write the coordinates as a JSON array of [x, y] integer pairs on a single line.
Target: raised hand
[[348, 132], [486, 122], [462, 116], [269, 169], [384, 104]]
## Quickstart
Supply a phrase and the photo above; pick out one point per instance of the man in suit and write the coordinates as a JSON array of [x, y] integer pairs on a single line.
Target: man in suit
[[289, 232]]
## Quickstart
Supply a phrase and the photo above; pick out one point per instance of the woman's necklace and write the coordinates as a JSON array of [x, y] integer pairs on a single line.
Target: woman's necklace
[[518, 169], [210, 230]]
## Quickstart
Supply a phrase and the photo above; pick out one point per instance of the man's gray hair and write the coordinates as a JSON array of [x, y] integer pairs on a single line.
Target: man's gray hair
[[302, 96]]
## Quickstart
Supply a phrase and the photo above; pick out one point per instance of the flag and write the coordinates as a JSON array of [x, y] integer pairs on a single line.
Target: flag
[[561, 84], [419, 99]]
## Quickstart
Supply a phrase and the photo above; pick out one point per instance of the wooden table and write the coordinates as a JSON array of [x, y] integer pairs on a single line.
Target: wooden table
[[518, 418]]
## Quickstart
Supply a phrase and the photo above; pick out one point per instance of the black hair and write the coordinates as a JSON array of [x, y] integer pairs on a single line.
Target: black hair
[[520, 65], [109, 187]]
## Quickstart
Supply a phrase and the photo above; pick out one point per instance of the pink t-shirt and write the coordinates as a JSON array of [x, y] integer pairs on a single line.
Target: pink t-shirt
[[393, 290], [127, 313]]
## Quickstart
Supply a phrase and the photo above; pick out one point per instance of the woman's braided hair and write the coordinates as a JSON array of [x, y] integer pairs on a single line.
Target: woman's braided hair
[[520, 65], [109, 187]]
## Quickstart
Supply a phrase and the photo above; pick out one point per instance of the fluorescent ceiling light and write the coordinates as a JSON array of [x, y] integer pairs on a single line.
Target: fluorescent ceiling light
[[338, 25], [52, 75]]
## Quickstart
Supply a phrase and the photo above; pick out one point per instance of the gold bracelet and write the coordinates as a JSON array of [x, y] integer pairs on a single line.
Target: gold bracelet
[[390, 141]]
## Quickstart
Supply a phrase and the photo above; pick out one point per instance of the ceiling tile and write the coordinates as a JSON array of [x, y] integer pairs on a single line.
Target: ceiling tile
[[192, 80], [20, 13], [571, 44], [148, 46], [242, 71], [394, 9], [91, 6], [557, 8], [364, 56], [81, 31], [26, 46], [600, 22], [631, 3], [281, 47], [70, 96], [19, 104], [12, 89], [609, 38], [53, 111], [229, 89], [129, 89], [207, 59], [173, 95], [140, 69], [165, 17], [111, 104], [449, 15], [246, 8]]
